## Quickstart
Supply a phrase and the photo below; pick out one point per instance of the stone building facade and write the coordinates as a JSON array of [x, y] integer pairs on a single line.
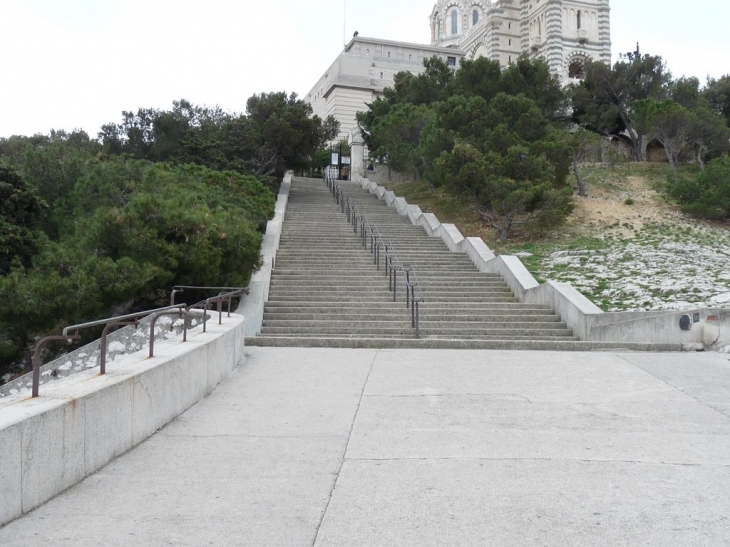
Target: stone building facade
[[363, 70], [565, 33]]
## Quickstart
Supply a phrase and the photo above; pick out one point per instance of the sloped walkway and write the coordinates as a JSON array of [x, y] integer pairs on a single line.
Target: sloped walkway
[[389, 448]]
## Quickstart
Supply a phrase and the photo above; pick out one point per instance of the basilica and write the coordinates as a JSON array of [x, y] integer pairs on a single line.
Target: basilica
[[565, 33]]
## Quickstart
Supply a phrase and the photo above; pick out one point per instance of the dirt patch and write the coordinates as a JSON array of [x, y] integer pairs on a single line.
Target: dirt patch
[[620, 209]]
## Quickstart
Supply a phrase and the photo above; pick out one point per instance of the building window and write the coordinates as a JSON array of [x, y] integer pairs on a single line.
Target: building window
[[509, 25], [381, 75], [410, 57], [367, 52], [510, 41], [578, 20], [451, 61], [454, 22], [475, 17], [389, 55]]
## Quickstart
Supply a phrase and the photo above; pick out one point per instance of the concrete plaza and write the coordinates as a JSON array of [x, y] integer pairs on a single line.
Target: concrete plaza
[[342, 447]]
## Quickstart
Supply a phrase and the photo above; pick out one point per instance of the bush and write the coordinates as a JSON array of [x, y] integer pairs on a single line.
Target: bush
[[706, 195], [136, 229]]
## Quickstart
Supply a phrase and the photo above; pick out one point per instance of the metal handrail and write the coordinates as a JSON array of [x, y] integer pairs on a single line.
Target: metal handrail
[[71, 332], [181, 288], [415, 304], [205, 306], [393, 265]]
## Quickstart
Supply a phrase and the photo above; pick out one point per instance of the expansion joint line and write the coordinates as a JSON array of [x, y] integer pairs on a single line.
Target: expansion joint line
[[344, 452], [676, 387]]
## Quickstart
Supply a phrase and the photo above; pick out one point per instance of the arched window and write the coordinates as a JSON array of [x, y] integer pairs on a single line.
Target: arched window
[[575, 70], [438, 30], [475, 17], [454, 22], [578, 20]]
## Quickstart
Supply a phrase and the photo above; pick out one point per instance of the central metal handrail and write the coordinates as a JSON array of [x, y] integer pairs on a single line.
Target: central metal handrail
[[370, 231]]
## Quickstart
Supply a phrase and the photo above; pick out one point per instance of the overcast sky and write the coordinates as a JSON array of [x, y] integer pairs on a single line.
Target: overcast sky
[[78, 63]]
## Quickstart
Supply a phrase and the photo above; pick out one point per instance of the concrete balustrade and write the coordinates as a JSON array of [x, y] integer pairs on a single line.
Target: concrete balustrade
[[586, 319]]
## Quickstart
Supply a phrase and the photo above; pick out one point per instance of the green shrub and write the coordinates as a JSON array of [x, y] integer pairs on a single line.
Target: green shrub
[[707, 194]]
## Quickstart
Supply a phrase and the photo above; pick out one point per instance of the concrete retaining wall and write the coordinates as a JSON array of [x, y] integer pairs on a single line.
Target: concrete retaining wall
[[588, 321], [81, 423], [77, 426], [252, 307]]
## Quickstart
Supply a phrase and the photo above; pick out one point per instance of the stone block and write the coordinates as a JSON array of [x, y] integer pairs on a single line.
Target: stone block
[[430, 223], [108, 422], [186, 377], [478, 252], [53, 452], [414, 214], [11, 500], [451, 236], [148, 397], [216, 361]]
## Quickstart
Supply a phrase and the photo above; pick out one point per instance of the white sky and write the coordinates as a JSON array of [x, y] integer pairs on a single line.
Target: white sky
[[69, 64]]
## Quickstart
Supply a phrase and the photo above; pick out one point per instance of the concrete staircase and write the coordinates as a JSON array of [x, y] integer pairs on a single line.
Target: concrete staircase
[[326, 290]]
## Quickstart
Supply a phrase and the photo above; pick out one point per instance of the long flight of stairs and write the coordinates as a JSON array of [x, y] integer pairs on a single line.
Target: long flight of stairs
[[326, 291]]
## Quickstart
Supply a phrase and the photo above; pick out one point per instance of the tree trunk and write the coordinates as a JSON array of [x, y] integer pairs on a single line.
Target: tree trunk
[[670, 157], [581, 182], [700, 161], [637, 141]]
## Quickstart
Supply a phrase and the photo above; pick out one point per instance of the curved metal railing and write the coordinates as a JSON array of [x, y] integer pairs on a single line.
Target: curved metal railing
[[71, 332]]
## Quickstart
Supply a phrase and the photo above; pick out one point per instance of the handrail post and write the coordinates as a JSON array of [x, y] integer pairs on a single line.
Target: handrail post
[[104, 333], [152, 327], [395, 286], [205, 315], [413, 309], [172, 295], [418, 333], [36, 360], [408, 289]]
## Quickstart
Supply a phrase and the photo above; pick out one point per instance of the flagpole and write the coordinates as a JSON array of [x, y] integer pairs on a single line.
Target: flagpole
[[344, 22]]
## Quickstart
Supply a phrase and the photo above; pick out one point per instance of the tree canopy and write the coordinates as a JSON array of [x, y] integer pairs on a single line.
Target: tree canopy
[[95, 227], [482, 132]]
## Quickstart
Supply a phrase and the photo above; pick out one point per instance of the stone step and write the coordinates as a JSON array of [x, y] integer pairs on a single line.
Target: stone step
[[327, 289], [448, 305], [427, 317], [403, 329], [436, 343]]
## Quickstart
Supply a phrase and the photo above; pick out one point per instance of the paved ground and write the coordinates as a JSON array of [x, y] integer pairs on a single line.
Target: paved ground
[[390, 448]]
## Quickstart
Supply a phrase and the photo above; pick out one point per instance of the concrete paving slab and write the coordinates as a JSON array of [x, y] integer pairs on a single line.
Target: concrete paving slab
[[540, 376], [423, 503], [496, 427], [289, 391], [322, 447], [703, 376]]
